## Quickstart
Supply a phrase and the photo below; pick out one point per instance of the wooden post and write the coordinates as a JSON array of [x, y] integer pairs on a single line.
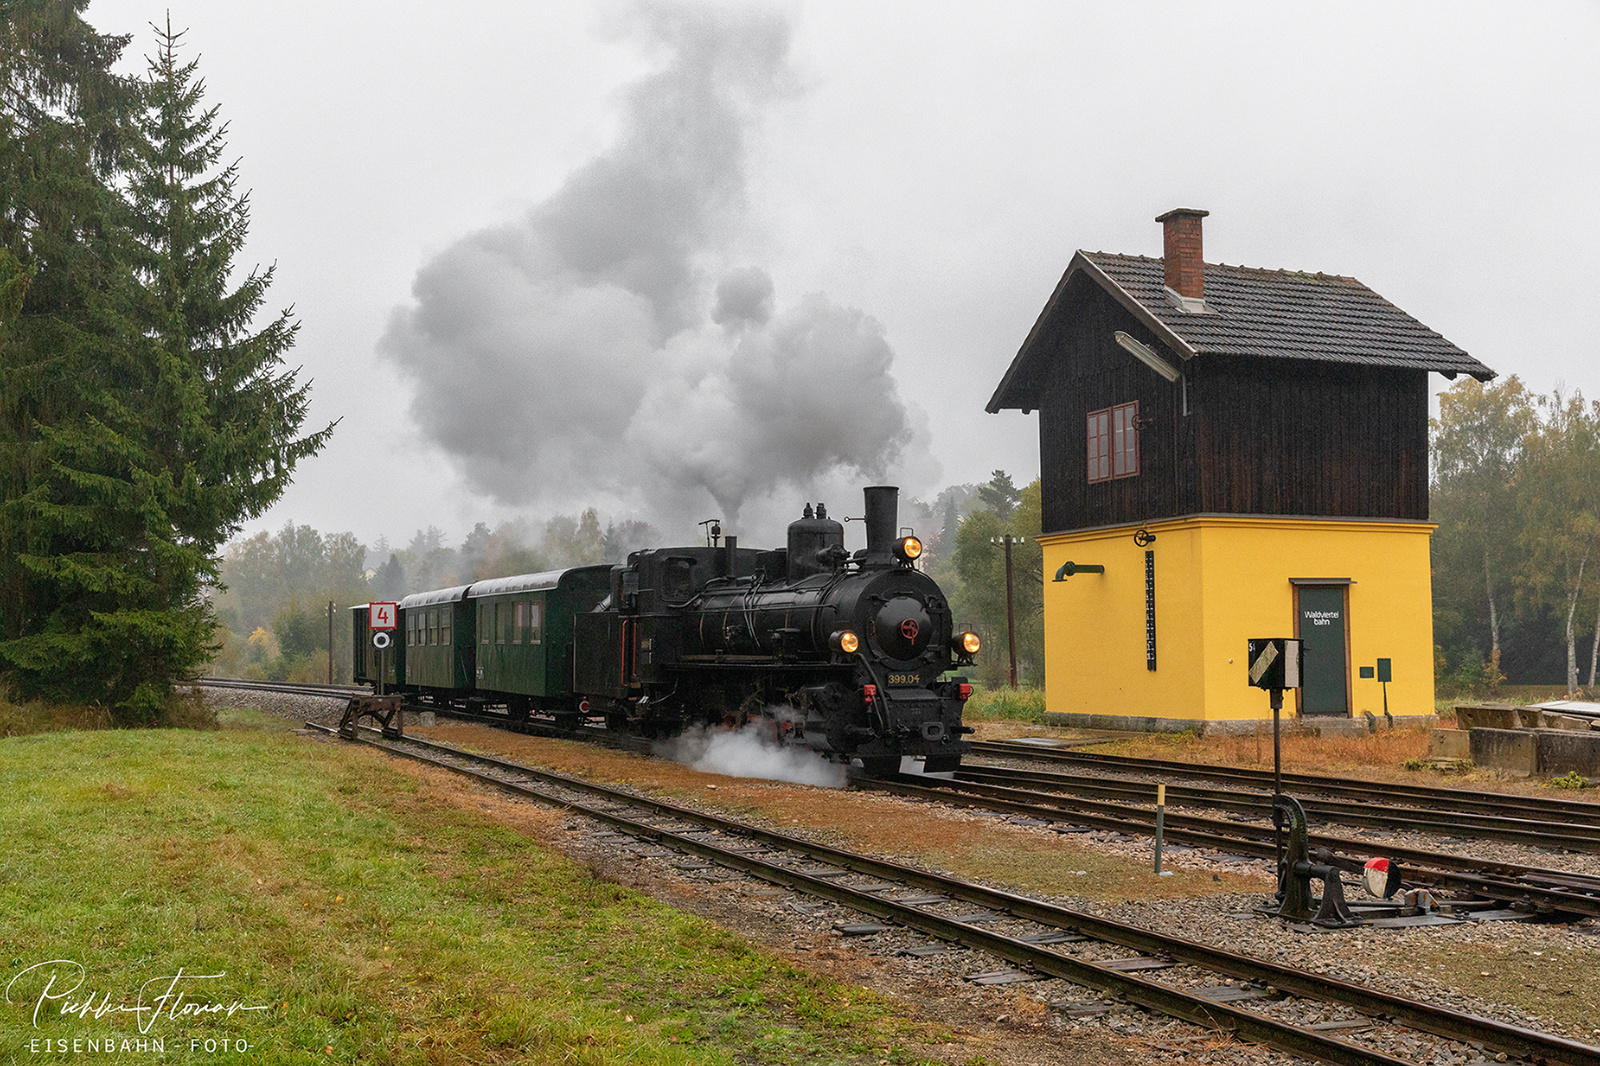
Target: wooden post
[[1011, 618], [1161, 817], [330, 642]]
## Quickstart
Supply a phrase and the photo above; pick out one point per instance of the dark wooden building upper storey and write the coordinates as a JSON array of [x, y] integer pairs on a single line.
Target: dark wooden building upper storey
[[1169, 387]]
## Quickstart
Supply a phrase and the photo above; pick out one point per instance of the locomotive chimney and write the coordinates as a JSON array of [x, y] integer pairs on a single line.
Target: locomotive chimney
[[883, 521], [1180, 252], [730, 556]]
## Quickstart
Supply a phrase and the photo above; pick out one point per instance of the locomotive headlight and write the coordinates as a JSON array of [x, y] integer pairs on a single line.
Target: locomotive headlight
[[968, 642], [908, 549], [846, 641]]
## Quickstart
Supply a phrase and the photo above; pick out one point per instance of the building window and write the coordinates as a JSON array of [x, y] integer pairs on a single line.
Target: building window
[[1114, 442]]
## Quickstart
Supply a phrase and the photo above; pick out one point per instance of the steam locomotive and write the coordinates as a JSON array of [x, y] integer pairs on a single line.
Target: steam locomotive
[[847, 654]]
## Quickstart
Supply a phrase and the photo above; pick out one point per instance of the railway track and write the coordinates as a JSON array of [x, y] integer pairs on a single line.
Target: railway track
[[1513, 885], [1450, 800], [342, 692], [1534, 832], [1040, 938]]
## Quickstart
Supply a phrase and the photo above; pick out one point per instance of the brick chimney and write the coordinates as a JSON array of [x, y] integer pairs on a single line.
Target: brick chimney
[[1180, 241]]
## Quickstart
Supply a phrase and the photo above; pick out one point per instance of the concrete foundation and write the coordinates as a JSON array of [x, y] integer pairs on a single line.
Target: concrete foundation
[[1512, 716], [1449, 744], [1537, 752], [1329, 726]]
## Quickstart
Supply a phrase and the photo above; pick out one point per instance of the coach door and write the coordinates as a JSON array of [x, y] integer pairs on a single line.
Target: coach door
[[1323, 626]]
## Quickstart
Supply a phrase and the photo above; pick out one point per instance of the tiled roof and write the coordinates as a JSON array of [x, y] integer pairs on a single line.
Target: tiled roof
[[1273, 314], [1290, 314]]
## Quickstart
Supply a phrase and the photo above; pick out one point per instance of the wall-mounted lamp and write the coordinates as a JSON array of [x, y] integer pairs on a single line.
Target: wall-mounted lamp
[[1147, 355]]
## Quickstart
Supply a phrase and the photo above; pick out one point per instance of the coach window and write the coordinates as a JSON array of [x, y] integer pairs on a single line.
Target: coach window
[[433, 626], [519, 621], [1113, 442], [411, 630], [444, 624], [483, 622], [535, 617]]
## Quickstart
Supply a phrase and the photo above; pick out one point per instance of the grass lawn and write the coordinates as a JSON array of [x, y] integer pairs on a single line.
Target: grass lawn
[[350, 915]]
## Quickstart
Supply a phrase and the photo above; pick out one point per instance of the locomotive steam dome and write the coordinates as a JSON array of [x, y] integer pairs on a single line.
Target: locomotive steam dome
[[810, 537], [902, 627]]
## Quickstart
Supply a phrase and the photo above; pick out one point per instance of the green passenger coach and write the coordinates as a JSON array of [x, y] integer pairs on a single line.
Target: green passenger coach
[[436, 631], [524, 633]]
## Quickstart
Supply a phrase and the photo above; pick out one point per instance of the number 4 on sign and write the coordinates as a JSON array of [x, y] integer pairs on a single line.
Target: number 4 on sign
[[381, 615]]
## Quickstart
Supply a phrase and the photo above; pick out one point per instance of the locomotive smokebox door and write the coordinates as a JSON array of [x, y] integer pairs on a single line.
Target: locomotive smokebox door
[[1274, 662]]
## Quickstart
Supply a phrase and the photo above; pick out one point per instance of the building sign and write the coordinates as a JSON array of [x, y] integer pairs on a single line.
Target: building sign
[[1149, 610]]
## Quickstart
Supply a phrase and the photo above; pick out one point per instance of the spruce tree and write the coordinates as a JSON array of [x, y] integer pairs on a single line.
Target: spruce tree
[[231, 409], [74, 372], [143, 419]]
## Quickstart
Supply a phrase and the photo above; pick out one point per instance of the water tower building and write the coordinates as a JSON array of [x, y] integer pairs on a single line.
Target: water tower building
[[1227, 453]]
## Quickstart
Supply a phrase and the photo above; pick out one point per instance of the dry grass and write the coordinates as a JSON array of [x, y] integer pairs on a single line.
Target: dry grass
[[185, 710], [1373, 757], [965, 844], [1547, 976], [22, 719], [1305, 752]]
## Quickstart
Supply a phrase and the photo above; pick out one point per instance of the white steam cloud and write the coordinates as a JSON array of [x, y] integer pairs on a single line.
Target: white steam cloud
[[749, 753], [608, 347]]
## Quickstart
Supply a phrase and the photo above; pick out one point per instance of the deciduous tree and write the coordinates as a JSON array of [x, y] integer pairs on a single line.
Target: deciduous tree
[[1560, 509], [1477, 444]]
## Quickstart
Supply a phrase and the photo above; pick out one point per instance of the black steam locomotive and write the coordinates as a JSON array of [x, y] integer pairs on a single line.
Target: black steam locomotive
[[844, 653]]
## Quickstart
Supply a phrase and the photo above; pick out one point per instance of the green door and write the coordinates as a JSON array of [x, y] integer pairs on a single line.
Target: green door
[[1325, 675]]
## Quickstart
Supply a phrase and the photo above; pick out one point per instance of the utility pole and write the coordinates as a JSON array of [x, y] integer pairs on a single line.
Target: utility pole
[[1011, 615], [330, 642]]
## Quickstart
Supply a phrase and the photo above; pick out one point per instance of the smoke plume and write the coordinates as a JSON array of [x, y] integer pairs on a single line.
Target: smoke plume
[[748, 753], [609, 348]]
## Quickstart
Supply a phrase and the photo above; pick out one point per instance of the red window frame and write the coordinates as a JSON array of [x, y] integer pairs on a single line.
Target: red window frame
[[1113, 442]]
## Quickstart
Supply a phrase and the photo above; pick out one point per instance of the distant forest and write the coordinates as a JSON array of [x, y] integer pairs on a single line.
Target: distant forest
[[1516, 570], [276, 587], [1516, 574]]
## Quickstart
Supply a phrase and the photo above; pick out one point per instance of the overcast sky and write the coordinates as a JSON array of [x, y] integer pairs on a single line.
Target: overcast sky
[[683, 259]]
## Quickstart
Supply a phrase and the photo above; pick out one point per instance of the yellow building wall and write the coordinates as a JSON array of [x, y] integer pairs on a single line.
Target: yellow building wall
[[1221, 580]]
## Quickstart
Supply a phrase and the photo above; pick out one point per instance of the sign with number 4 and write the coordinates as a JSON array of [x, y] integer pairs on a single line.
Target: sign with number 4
[[381, 615]]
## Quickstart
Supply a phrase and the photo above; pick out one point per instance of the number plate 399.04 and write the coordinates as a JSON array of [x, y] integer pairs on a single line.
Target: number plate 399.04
[[905, 679]]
